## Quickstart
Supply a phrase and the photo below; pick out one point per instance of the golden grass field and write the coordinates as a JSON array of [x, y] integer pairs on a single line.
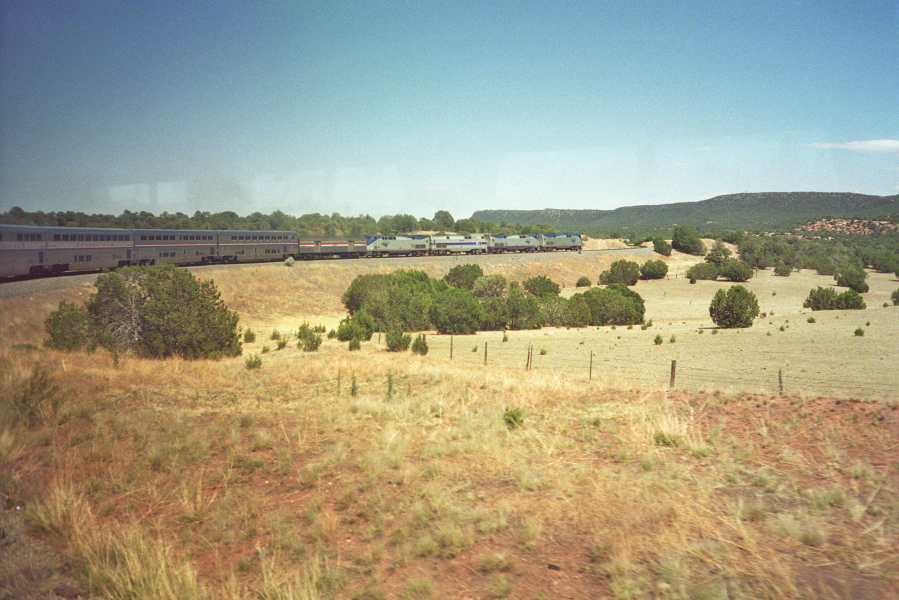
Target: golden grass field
[[367, 475]]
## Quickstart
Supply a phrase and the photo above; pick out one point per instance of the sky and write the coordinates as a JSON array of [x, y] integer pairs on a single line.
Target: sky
[[389, 107]]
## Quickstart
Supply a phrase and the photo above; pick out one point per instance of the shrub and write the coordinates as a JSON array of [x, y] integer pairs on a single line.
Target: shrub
[[718, 255], [360, 325], [703, 270], [736, 270], [456, 312], [420, 345], [355, 344], [463, 276], [613, 305], [309, 340], [249, 336], [282, 343], [850, 300], [895, 296], [584, 281], [490, 286], [523, 310], [396, 340], [625, 272], [661, 246], [67, 327], [654, 269], [859, 331], [736, 307], [685, 239], [289, 261], [853, 278], [154, 311], [658, 340], [782, 269], [541, 286], [253, 362], [513, 418], [828, 299]]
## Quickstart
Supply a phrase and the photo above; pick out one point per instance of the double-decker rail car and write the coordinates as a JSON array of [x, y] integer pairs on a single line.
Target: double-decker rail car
[[249, 246], [332, 247], [561, 241], [475, 243], [26, 250], [174, 246], [525, 242], [398, 245]]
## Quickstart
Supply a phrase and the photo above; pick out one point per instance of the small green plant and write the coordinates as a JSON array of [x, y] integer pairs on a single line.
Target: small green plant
[[859, 331], [810, 320], [253, 362], [672, 340], [658, 340], [505, 336], [276, 335], [354, 388], [282, 343], [249, 336], [289, 261], [474, 348], [513, 418], [420, 345], [266, 349], [355, 344], [543, 351]]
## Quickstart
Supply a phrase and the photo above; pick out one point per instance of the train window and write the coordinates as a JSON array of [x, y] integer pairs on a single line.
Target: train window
[[143, 237], [18, 237]]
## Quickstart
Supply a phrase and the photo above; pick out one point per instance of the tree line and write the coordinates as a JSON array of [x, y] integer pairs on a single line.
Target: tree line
[[308, 224]]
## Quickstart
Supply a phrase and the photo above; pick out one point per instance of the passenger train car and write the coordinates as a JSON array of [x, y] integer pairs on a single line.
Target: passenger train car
[[32, 251]]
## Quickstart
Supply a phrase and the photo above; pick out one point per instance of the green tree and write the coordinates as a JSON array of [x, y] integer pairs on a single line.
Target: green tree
[[583, 281], [736, 270], [703, 271], [490, 286], [654, 269], [718, 254], [155, 311], [523, 310], [463, 276], [852, 277], [782, 269], [685, 239], [895, 297], [67, 327], [733, 308], [456, 311], [624, 272], [661, 246], [444, 221], [541, 286]]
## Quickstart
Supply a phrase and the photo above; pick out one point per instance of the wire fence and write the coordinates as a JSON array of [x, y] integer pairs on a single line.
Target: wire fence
[[781, 377]]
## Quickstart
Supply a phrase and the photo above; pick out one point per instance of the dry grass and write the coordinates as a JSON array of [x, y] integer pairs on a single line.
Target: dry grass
[[167, 479]]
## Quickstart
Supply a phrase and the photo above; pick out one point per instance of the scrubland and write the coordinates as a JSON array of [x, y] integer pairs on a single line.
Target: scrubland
[[368, 474]]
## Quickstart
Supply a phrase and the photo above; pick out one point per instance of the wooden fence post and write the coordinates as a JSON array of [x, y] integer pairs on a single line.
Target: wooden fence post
[[780, 381], [451, 347], [673, 372], [485, 353], [591, 365]]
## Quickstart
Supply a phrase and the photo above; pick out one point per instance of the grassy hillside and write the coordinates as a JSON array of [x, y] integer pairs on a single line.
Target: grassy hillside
[[370, 475], [752, 212]]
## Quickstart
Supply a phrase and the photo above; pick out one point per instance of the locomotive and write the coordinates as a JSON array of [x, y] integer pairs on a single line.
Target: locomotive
[[32, 251]]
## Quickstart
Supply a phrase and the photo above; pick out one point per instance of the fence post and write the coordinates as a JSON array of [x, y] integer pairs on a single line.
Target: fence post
[[451, 347], [780, 381], [485, 353], [673, 372], [591, 365]]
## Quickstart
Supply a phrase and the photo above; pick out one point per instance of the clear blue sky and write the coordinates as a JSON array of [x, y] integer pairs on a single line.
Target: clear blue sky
[[389, 107]]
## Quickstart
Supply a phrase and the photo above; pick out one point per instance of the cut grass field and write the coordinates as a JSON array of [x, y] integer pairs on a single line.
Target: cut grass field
[[369, 474]]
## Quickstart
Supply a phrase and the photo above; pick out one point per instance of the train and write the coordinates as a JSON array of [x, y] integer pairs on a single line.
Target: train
[[33, 251]]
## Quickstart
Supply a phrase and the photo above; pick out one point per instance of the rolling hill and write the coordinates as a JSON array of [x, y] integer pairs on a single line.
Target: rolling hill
[[752, 212]]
